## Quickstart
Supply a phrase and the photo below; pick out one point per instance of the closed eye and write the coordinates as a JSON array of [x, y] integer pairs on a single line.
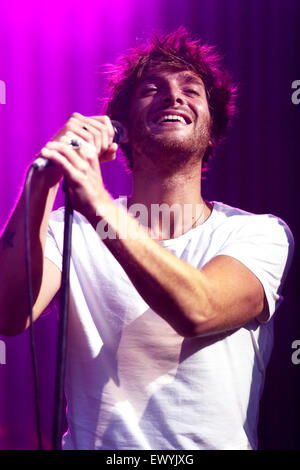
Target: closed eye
[[191, 91], [148, 90]]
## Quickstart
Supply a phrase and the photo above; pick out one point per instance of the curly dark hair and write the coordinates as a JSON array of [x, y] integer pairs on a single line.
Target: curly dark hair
[[176, 51]]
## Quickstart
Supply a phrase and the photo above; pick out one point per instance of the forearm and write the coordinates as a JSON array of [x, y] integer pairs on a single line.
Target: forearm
[[175, 290], [13, 277]]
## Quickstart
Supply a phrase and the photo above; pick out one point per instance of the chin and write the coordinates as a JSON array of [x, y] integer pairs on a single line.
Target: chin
[[171, 147], [176, 144]]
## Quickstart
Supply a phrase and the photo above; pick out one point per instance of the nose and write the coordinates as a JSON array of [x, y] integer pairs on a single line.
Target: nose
[[172, 95]]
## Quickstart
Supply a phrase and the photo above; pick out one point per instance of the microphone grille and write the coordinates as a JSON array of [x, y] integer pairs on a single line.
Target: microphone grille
[[120, 133]]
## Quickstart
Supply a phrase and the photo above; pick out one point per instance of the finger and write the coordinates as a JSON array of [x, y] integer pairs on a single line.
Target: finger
[[100, 134], [69, 153], [86, 151], [99, 121], [110, 154], [80, 131], [96, 123], [103, 136], [63, 163], [104, 139], [77, 125]]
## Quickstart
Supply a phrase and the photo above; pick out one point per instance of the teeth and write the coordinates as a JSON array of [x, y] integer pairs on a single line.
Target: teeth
[[171, 117]]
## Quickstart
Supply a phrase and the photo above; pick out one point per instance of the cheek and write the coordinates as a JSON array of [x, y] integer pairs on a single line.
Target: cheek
[[141, 107], [202, 107], [204, 114], [137, 114]]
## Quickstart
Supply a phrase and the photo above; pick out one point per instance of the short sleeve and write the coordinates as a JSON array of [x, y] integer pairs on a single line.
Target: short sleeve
[[54, 240], [265, 245]]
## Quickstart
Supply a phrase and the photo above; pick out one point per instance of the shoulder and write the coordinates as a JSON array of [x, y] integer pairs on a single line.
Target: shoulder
[[262, 242], [237, 222]]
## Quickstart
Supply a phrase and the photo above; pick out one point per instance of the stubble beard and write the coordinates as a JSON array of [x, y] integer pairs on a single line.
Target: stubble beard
[[169, 152]]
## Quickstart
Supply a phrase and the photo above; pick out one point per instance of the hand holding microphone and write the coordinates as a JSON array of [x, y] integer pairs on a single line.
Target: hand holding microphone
[[76, 152], [119, 136]]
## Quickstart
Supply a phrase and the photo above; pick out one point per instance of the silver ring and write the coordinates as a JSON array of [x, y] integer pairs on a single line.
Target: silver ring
[[75, 143]]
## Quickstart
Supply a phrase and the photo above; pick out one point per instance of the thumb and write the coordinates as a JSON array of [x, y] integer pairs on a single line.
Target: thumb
[[110, 154]]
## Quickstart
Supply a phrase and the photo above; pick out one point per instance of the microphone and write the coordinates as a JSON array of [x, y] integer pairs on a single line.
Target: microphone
[[120, 136], [120, 133]]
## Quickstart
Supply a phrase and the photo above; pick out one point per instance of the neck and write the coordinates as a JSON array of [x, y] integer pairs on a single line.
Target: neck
[[180, 189]]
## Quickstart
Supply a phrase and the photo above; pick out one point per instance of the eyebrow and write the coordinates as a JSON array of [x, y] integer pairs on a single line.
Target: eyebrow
[[186, 76]]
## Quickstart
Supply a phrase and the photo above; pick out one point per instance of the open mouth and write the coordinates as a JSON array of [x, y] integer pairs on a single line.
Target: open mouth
[[172, 119]]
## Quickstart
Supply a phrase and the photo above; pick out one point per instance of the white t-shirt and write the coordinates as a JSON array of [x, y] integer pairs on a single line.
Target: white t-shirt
[[132, 382]]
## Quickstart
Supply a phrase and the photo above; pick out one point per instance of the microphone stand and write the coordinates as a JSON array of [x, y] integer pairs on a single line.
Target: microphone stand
[[63, 324], [120, 136]]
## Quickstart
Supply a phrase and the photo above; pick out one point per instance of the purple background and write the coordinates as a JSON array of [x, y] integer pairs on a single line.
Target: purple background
[[51, 56]]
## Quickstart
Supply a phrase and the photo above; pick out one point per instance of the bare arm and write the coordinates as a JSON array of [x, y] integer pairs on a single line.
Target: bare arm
[[13, 293], [222, 296], [45, 275]]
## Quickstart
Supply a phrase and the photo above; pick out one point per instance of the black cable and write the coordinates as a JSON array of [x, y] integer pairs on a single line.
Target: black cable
[[30, 306], [63, 318], [63, 324]]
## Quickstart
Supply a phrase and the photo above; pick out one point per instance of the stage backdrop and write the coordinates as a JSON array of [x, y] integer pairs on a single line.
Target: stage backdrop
[[51, 59]]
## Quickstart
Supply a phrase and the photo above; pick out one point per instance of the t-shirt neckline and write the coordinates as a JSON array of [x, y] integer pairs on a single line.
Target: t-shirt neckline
[[191, 231]]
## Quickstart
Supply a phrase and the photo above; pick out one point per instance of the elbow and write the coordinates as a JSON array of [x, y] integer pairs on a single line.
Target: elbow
[[192, 331], [199, 323], [193, 326], [198, 312]]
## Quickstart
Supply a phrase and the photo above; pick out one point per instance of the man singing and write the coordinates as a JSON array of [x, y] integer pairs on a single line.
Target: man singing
[[170, 324]]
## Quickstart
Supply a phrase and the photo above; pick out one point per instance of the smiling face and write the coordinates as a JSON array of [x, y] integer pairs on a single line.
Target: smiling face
[[169, 118]]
